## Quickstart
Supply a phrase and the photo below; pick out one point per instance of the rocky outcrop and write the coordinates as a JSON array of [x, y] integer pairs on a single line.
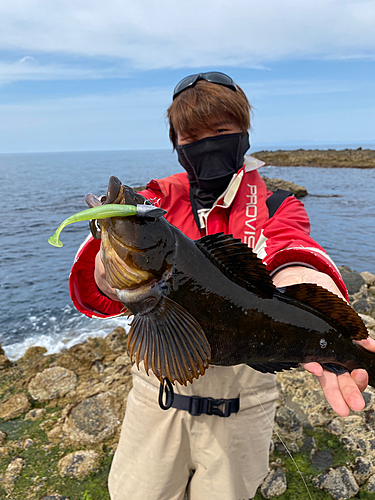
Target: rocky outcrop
[[330, 158], [273, 184]]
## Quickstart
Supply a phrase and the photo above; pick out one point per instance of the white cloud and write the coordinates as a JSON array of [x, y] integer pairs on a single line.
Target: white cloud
[[169, 34], [29, 69]]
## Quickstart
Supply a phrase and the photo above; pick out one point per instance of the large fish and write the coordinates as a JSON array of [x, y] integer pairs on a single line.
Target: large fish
[[213, 301]]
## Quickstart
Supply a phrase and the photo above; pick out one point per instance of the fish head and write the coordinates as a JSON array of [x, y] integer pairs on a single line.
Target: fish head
[[136, 250]]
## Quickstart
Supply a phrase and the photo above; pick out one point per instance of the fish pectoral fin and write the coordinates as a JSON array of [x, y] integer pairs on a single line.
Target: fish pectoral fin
[[170, 342], [347, 320], [272, 367]]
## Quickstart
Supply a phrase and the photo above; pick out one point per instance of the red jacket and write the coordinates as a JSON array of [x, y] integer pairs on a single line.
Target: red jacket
[[279, 241]]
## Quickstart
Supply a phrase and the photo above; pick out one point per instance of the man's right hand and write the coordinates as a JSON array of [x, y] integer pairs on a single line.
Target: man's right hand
[[101, 282]]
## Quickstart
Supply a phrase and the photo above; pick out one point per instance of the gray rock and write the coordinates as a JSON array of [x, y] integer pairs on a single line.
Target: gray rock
[[35, 414], [93, 420], [364, 305], [288, 422], [353, 281], [14, 407], [52, 383], [12, 473], [339, 482], [368, 277], [362, 470], [78, 464], [274, 485], [370, 485]]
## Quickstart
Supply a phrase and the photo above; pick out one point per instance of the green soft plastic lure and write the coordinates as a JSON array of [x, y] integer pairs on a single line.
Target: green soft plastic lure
[[101, 212], [105, 211]]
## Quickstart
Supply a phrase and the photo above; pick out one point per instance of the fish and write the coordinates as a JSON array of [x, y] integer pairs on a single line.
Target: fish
[[212, 301]]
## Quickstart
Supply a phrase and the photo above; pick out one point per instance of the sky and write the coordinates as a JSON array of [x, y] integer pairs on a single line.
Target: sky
[[82, 75]]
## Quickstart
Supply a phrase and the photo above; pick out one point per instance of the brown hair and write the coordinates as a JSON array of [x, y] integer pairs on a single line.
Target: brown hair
[[203, 104]]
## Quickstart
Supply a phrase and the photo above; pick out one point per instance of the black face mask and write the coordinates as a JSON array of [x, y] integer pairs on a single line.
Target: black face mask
[[210, 164]]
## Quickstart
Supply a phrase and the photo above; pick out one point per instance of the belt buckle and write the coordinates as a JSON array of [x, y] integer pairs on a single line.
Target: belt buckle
[[213, 407]]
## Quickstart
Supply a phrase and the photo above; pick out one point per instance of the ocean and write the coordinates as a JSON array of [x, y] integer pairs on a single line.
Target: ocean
[[39, 190]]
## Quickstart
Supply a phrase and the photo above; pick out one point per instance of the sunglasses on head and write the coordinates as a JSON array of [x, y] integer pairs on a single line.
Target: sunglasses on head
[[212, 77]]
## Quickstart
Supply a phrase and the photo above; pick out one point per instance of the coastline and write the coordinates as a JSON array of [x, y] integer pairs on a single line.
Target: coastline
[[330, 158]]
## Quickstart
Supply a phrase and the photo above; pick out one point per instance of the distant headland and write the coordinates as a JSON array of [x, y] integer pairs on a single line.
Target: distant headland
[[329, 158]]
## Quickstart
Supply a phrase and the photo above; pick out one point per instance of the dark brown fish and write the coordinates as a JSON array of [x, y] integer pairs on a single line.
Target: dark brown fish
[[213, 301]]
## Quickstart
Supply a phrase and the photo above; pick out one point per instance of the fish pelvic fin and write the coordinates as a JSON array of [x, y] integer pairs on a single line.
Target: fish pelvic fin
[[170, 342], [237, 262], [349, 324]]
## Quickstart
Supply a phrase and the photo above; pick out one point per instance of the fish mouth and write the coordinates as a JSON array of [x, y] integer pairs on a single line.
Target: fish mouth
[[121, 273]]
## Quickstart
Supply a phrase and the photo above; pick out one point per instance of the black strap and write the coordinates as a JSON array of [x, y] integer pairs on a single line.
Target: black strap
[[275, 200], [169, 395]]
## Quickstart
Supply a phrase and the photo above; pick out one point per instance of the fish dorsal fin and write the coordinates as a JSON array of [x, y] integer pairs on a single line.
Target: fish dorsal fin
[[170, 342], [332, 306], [237, 262]]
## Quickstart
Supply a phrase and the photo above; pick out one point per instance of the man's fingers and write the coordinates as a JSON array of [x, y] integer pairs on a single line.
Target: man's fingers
[[360, 377], [314, 368], [333, 392]]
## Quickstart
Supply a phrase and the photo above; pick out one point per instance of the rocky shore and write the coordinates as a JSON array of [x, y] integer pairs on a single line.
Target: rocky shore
[[330, 158], [61, 414], [60, 418]]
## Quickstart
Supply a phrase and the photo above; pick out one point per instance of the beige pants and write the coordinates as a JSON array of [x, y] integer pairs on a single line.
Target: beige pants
[[158, 448]]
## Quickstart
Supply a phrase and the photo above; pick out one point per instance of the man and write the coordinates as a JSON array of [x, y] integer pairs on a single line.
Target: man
[[221, 191]]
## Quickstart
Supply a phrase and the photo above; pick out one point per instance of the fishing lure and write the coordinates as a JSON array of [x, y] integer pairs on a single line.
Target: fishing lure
[[105, 211]]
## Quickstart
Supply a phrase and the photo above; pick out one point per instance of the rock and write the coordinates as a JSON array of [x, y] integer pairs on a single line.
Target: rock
[[362, 470], [15, 406], [369, 321], [93, 420], [3, 436], [12, 474], [336, 426], [364, 305], [316, 419], [78, 464], [35, 414], [274, 485], [52, 383], [352, 280], [339, 482], [4, 362], [33, 352], [28, 442], [275, 184], [370, 485], [116, 341], [288, 423], [368, 277]]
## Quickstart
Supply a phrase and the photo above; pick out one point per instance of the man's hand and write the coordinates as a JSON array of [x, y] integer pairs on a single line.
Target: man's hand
[[343, 392], [101, 282]]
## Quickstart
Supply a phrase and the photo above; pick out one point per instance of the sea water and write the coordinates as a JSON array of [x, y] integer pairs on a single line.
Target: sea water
[[39, 190]]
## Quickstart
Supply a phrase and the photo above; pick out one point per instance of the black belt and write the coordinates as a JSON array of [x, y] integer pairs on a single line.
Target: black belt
[[196, 405]]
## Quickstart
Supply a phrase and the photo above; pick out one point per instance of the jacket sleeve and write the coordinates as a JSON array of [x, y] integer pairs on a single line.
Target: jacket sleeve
[[85, 294], [285, 240]]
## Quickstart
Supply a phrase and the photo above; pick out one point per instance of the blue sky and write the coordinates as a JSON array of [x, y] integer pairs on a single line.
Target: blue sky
[[78, 75]]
